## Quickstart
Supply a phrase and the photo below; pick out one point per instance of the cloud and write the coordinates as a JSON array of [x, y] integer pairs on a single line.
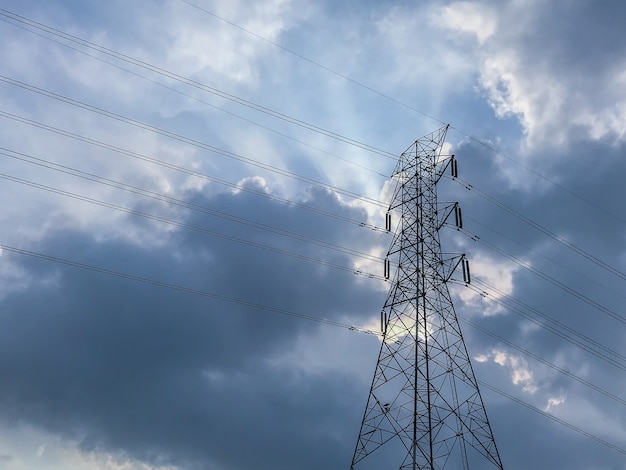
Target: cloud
[[540, 63], [554, 402], [518, 368], [164, 375], [496, 276], [404, 30], [61, 453], [109, 373], [201, 46], [471, 18]]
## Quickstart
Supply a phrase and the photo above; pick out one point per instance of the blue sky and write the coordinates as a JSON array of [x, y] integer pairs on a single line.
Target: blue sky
[[215, 157]]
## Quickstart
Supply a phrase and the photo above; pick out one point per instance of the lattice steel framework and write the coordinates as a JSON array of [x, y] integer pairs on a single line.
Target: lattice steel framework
[[424, 409]]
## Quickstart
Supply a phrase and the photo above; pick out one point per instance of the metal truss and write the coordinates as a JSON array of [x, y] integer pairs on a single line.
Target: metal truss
[[424, 409]]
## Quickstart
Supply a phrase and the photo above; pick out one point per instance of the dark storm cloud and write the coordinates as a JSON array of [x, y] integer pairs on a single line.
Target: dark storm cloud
[[172, 377], [564, 36], [586, 209], [533, 441], [593, 172]]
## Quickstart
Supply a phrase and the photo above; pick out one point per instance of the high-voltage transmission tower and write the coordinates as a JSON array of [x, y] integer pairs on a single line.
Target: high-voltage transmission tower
[[424, 409]]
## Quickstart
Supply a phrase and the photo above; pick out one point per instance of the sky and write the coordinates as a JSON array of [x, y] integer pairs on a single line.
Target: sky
[[193, 210]]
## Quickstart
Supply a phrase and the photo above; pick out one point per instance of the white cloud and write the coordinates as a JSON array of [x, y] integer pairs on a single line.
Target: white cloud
[[197, 45], [32, 448], [405, 33], [472, 18], [554, 402], [495, 273], [520, 373], [528, 71], [202, 46], [252, 182], [535, 99], [57, 211]]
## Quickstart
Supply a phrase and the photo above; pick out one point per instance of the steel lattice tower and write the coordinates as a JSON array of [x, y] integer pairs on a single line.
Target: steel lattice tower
[[424, 409]]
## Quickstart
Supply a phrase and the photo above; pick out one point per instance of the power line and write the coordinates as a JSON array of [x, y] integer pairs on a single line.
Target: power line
[[186, 2], [551, 325], [199, 100], [550, 279], [168, 199], [607, 311], [183, 225], [543, 229], [302, 178], [281, 311], [132, 60], [181, 203], [181, 169], [188, 290], [290, 174], [296, 176], [545, 362], [541, 176], [554, 418], [193, 83], [157, 196], [409, 107], [187, 140], [317, 64], [153, 68], [552, 260], [557, 324]]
